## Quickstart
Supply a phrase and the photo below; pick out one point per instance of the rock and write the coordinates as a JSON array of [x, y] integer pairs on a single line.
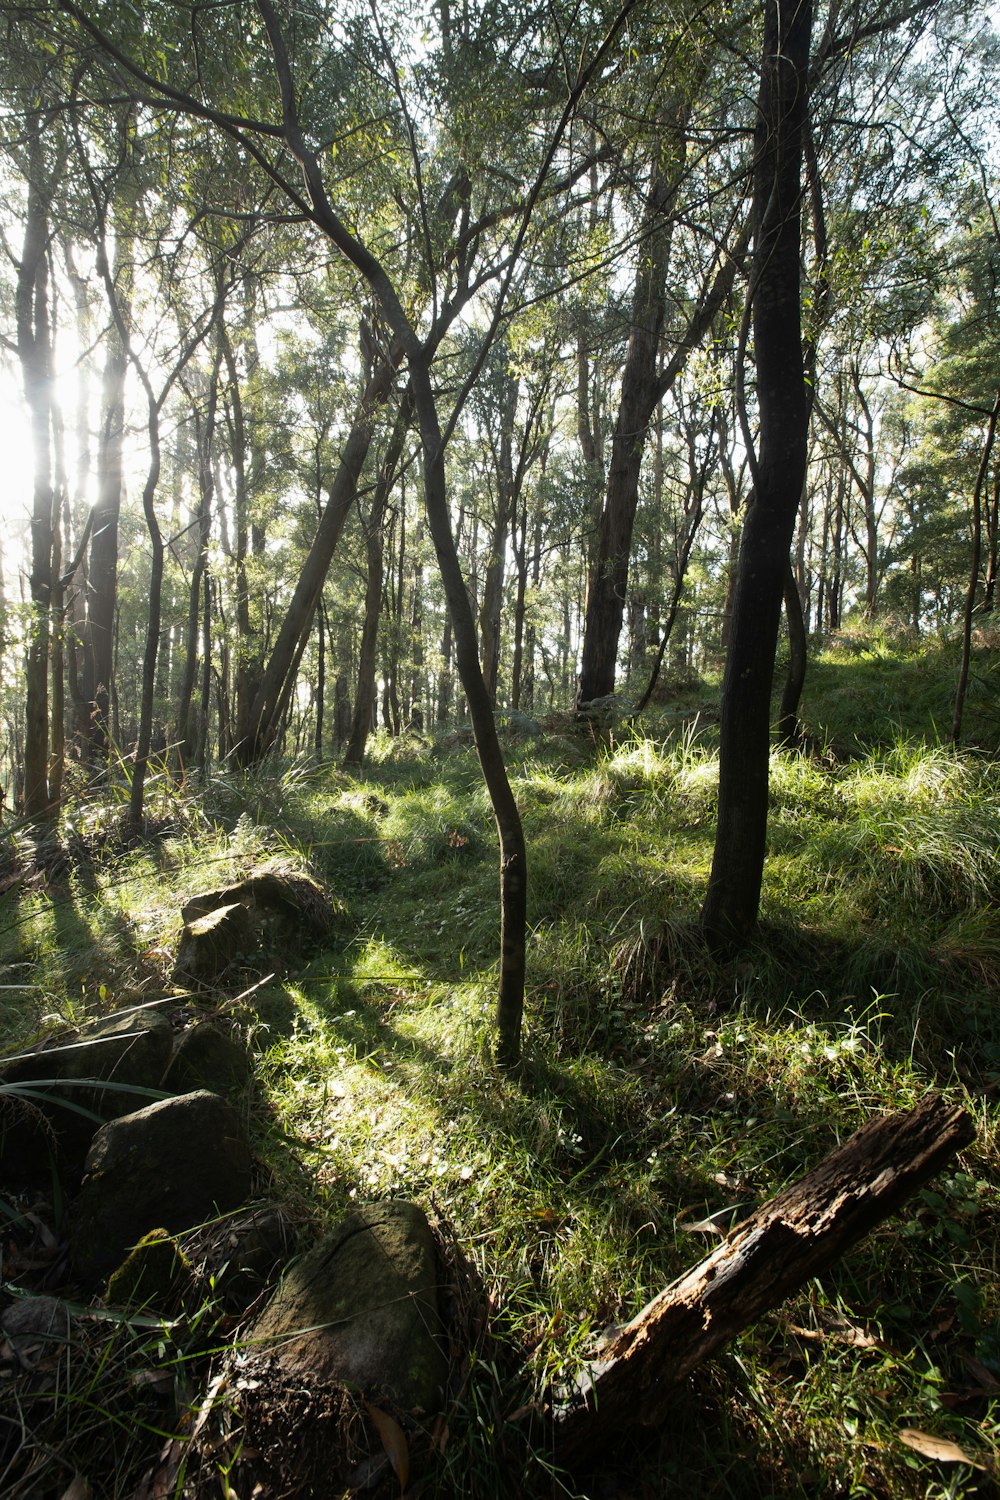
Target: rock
[[172, 1166], [211, 942], [36, 1331], [155, 1273], [131, 1049], [367, 1298], [206, 1058], [290, 894]]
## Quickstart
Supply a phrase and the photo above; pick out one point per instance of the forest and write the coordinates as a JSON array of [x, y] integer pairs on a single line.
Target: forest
[[518, 486]]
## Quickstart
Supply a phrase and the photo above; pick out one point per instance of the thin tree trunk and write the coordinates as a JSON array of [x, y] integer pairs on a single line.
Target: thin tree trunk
[[102, 568], [34, 353], [789, 729], [364, 698], [189, 737], [265, 711], [730, 910], [974, 568], [513, 859]]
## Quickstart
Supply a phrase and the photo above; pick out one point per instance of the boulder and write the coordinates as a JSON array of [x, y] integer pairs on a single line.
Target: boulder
[[169, 1166], [205, 1057], [290, 901], [361, 1309], [48, 1088], [211, 942]]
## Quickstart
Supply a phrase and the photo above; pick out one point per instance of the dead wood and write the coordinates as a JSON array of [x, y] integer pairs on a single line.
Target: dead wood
[[795, 1236]]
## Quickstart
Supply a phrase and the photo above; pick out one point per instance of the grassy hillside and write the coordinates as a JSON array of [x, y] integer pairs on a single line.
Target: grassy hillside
[[663, 1093]]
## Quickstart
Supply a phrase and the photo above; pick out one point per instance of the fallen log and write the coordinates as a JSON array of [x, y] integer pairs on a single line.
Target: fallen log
[[790, 1239]]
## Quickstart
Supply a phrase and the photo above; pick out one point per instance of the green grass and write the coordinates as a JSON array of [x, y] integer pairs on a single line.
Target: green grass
[[659, 1087]]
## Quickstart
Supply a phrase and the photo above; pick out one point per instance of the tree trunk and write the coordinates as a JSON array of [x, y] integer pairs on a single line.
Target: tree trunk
[[789, 730], [364, 699], [608, 578], [492, 601], [245, 652], [730, 910], [974, 570], [513, 859], [265, 711], [794, 1237], [320, 683], [190, 737], [102, 569], [35, 355]]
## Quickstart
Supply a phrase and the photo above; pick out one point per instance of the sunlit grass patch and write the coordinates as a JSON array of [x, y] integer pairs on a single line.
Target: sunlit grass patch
[[662, 1094]]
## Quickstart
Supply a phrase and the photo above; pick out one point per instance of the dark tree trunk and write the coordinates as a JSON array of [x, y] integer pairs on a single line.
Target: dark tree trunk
[[266, 709], [643, 387], [513, 859], [57, 690], [974, 571], [189, 736], [608, 578], [415, 708], [730, 910], [245, 645], [320, 682], [510, 995], [794, 1237]]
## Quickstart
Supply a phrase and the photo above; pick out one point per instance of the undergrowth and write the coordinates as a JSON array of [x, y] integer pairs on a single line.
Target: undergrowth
[[663, 1095]]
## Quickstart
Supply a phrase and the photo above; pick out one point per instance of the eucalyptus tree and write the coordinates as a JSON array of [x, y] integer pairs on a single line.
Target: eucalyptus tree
[[461, 224], [672, 304], [732, 899]]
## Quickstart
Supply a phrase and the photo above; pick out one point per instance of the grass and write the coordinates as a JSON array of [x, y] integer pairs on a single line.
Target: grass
[[659, 1089]]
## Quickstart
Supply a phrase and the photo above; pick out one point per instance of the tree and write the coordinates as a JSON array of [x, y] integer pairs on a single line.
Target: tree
[[732, 899]]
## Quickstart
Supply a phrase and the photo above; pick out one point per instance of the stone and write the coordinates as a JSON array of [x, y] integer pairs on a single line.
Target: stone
[[362, 1309], [170, 1166], [36, 1331], [130, 1050], [207, 1058], [211, 942], [155, 1274], [291, 903]]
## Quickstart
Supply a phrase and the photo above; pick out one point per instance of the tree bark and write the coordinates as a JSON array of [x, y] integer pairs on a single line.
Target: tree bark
[[789, 730], [731, 903], [102, 570], [974, 570], [608, 578], [189, 738], [265, 712], [364, 698], [34, 353], [794, 1237]]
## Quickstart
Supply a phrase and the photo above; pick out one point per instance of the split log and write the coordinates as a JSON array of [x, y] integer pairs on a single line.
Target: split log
[[792, 1238]]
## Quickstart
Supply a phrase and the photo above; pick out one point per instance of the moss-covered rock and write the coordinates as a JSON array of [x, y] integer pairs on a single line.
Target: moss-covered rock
[[361, 1309], [155, 1273], [172, 1165]]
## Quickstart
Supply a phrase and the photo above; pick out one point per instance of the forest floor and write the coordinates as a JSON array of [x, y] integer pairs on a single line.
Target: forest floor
[[663, 1094]]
